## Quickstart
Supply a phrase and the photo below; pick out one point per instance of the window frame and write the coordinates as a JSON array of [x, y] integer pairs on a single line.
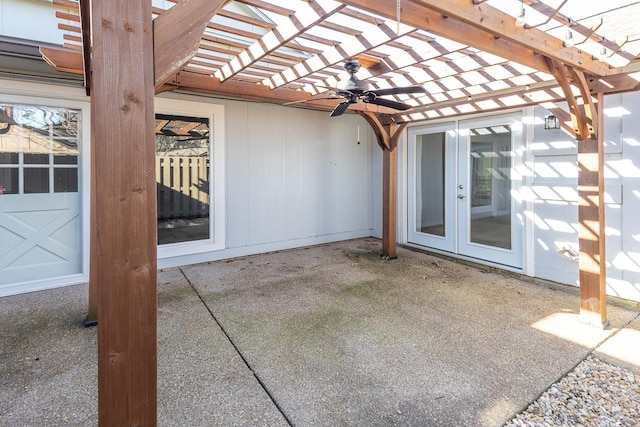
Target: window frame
[[217, 174]]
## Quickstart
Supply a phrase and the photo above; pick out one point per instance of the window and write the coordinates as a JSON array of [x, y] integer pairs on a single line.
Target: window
[[190, 175], [38, 149], [182, 175]]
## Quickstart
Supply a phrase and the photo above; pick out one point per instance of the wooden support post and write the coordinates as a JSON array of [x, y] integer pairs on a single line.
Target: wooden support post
[[387, 134], [591, 219], [124, 260], [389, 202], [588, 128]]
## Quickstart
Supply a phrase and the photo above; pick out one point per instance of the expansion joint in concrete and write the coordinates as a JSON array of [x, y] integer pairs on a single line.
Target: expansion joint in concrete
[[237, 349]]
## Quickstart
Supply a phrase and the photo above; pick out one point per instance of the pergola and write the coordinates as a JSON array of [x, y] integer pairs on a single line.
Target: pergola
[[469, 55]]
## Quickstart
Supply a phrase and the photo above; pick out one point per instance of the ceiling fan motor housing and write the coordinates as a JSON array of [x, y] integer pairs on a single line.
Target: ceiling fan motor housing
[[354, 85]]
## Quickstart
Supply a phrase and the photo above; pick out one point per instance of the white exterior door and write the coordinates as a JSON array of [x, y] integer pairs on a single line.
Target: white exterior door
[[490, 218], [431, 203], [462, 183]]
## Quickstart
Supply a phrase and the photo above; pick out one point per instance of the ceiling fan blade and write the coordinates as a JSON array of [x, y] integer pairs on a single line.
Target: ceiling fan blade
[[388, 103], [340, 109], [340, 92], [398, 90], [311, 100]]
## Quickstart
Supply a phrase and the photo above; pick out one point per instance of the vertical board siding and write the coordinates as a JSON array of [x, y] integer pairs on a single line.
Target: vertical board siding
[[295, 174]]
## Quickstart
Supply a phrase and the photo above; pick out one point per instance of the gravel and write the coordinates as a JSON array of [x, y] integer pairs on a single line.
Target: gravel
[[595, 393]]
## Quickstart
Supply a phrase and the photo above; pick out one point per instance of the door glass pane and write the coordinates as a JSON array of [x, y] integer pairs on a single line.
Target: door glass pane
[[8, 158], [430, 173], [490, 186], [33, 135], [182, 171], [9, 181], [36, 180], [36, 158], [65, 180]]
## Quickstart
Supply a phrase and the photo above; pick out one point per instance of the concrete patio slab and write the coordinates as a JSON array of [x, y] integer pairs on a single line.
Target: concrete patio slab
[[623, 348], [328, 335], [341, 337], [48, 370]]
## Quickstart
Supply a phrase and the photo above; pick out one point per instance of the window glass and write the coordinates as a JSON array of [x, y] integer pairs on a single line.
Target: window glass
[[430, 184], [8, 158], [36, 159], [38, 143], [65, 180], [182, 173], [65, 159], [9, 181], [36, 180]]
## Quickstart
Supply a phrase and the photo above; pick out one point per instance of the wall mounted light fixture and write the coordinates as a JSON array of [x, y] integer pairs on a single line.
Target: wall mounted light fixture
[[551, 122]]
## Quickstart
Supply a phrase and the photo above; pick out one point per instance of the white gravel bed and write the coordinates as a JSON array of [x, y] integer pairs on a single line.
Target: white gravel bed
[[595, 393]]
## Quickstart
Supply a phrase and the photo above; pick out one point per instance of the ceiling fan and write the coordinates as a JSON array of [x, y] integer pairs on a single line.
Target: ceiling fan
[[354, 90]]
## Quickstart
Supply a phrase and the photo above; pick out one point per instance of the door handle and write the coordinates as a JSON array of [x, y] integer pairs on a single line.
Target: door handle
[[460, 196]]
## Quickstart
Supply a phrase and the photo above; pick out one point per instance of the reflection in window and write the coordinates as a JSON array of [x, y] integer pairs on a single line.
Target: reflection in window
[[65, 180], [490, 183], [430, 183], [182, 173], [36, 180], [9, 181], [38, 149]]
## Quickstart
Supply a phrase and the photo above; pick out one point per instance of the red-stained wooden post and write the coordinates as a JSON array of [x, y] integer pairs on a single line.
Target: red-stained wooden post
[[124, 197]]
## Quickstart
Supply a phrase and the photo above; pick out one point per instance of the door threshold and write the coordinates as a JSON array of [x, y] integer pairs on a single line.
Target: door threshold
[[463, 259]]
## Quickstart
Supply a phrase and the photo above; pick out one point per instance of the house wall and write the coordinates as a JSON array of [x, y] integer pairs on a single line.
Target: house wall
[[555, 194], [550, 178], [30, 20], [294, 177]]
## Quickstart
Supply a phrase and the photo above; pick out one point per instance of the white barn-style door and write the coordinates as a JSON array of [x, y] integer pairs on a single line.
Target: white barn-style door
[[41, 232]]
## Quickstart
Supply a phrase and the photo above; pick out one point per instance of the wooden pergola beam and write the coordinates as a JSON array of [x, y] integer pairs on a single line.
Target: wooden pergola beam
[[424, 18], [64, 60], [375, 36], [124, 198], [177, 34], [237, 89], [502, 25], [309, 15], [71, 61]]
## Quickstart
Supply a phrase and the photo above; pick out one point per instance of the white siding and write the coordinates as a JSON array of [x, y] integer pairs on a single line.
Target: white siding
[[295, 174], [550, 188], [30, 20], [555, 194], [295, 177]]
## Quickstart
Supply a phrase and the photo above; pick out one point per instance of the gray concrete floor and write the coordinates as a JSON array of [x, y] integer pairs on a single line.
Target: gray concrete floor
[[324, 336]]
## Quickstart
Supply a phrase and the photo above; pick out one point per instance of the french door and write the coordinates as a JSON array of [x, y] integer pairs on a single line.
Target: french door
[[463, 188]]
